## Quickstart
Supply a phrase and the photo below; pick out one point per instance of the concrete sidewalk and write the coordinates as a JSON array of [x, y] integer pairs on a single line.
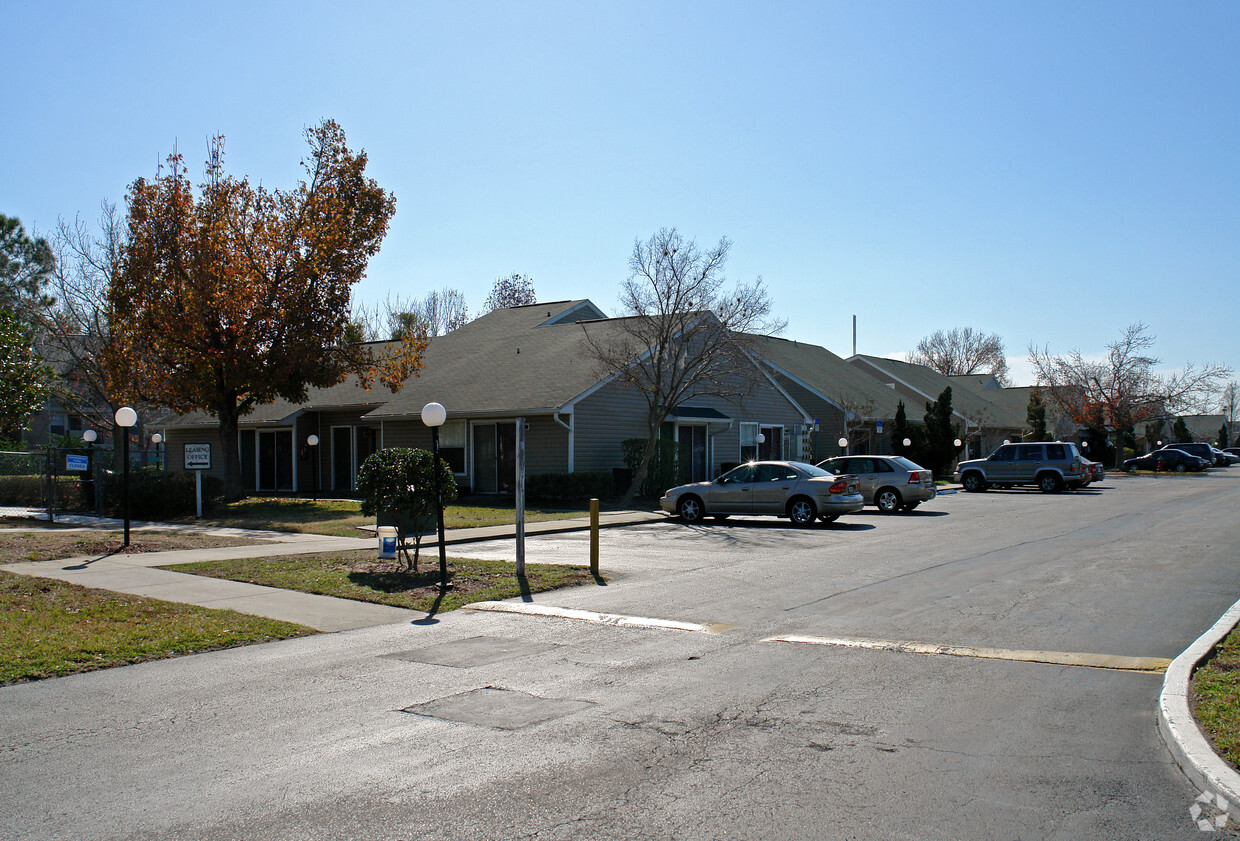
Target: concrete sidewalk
[[136, 574]]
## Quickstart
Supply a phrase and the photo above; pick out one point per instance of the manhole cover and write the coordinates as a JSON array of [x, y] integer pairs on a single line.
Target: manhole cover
[[475, 651], [503, 709]]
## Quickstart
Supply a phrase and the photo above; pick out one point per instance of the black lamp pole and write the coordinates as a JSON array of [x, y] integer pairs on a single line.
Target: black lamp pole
[[443, 550]]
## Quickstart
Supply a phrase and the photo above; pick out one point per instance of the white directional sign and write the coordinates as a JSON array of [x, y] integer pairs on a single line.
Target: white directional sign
[[197, 456], [78, 463]]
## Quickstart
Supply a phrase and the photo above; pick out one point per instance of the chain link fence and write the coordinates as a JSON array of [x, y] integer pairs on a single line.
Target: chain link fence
[[67, 480]]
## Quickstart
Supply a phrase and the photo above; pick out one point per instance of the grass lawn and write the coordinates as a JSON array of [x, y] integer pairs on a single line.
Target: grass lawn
[[357, 575], [1215, 697], [50, 628], [342, 517], [37, 541]]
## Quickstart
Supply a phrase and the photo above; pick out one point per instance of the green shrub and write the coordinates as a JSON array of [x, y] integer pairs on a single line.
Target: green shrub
[[22, 490], [662, 473], [569, 487], [154, 494]]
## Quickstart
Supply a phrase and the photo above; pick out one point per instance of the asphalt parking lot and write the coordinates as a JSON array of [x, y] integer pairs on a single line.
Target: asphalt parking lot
[[776, 723]]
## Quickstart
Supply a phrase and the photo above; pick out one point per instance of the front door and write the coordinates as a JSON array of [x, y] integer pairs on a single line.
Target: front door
[[495, 458], [693, 439]]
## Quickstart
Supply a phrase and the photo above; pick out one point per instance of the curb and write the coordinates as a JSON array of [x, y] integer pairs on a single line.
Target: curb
[[1189, 747]]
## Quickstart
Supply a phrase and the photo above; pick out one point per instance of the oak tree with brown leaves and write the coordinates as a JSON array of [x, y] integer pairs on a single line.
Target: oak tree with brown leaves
[[233, 296]]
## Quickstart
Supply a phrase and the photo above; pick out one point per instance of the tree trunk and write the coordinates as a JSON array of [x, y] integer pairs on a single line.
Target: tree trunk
[[639, 475], [233, 490]]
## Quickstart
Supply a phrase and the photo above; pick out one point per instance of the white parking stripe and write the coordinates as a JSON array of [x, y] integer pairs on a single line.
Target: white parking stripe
[[529, 609], [1059, 658]]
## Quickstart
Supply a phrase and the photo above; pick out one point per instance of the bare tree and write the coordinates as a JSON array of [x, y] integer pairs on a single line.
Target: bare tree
[[77, 327], [1228, 402], [516, 290], [1122, 389], [963, 350], [684, 335], [441, 311]]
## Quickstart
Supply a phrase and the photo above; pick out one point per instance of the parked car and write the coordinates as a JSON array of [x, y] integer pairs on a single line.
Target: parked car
[[1052, 466], [1235, 451], [1197, 448], [801, 492], [892, 483], [1094, 472], [1166, 459], [1223, 458]]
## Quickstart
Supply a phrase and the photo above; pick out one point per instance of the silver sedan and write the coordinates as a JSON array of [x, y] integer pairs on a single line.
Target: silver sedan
[[801, 492]]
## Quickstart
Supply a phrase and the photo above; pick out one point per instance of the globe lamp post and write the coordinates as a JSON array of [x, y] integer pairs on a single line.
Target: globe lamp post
[[434, 415], [125, 418]]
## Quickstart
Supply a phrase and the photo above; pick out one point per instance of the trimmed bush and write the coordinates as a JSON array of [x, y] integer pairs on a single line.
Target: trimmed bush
[[568, 487], [154, 494], [22, 490]]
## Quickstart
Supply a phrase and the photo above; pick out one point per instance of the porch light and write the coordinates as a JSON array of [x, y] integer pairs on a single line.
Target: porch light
[[90, 436], [125, 418], [434, 415], [843, 442]]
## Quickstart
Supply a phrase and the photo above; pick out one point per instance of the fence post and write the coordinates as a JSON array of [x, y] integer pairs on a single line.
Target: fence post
[[50, 496]]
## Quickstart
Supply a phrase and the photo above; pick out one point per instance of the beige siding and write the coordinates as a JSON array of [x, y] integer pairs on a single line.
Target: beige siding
[[616, 412]]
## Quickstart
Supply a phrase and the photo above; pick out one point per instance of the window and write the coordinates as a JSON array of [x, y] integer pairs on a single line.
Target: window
[[1005, 453], [1030, 452], [775, 473], [1054, 452], [452, 437], [739, 475], [749, 442]]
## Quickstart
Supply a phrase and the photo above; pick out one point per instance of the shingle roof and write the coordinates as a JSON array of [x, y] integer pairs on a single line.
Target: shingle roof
[[517, 360], [821, 371], [967, 399]]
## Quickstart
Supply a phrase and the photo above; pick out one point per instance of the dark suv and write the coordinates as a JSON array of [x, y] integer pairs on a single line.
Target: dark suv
[[1050, 465]]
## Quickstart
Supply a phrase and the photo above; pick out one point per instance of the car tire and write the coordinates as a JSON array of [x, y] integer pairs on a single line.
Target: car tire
[[888, 500], [1130, 468], [910, 506], [973, 482], [828, 518], [1049, 483], [802, 511], [1181, 467], [690, 509]]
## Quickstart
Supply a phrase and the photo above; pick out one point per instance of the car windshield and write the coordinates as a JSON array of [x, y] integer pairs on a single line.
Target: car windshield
[[810, 470], [907, 464]]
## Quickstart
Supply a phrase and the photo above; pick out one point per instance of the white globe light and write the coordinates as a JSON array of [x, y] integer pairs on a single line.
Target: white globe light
[[957, 442], [434, 414], [313, 441], [843, 442], [907, 442], [157, 438], [126, 417], [1007, 441], [761, 438], [89, 436]]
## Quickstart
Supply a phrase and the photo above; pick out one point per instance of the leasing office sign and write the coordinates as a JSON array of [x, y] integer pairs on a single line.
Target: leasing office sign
[[197, 456]]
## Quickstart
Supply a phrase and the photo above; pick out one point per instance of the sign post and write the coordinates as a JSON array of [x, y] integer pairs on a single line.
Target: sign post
[[198, 459]]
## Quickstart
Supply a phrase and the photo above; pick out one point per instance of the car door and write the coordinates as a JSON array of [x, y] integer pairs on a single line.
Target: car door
[[1001, 465], [866, 473], [732, 492], [1030, 459], [772, 486]]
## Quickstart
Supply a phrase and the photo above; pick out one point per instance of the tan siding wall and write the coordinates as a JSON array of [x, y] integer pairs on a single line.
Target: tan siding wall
[[616, 412]]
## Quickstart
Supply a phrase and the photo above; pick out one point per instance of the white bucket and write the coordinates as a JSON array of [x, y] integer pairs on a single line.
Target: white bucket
[[387, 542]]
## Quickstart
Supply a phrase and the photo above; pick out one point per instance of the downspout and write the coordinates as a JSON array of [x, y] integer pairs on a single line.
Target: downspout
[[555, 416]]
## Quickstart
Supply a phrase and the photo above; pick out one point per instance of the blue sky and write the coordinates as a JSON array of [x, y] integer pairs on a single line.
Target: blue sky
[[1050, 172]]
